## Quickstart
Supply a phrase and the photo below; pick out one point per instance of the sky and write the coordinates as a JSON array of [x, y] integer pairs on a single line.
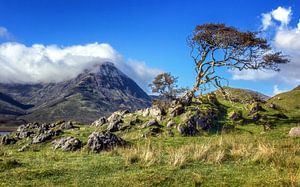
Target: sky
[[50, 41]]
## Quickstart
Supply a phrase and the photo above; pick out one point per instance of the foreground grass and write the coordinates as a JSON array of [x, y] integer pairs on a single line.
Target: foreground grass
[[244, 157]]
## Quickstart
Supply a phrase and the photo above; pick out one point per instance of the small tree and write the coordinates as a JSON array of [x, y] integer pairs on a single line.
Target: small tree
[[165, 85], [217, 45]]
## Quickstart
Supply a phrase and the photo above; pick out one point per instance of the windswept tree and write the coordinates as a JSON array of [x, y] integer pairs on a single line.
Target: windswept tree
[[166, 86], [217, 45]]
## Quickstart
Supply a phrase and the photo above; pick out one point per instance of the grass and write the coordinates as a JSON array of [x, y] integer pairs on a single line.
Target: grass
[[244, 156], [235, 159]]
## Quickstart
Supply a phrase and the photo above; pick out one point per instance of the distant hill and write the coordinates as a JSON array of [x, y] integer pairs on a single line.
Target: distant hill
[[94, 93], [243, 95], [289, 101]]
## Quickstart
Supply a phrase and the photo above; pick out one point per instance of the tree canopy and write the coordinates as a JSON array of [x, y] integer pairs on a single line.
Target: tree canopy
[[217, 45]]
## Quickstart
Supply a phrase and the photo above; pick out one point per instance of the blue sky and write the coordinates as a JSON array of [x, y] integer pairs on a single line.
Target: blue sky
[[152, 31]]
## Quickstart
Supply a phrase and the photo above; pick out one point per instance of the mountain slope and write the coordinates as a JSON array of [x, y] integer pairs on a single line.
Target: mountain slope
[[92, 94], [243, 95], [289, 101]]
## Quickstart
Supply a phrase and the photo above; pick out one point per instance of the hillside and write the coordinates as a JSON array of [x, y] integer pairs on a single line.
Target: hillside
[[243, 95], [209, 142], [288, 101], [94, 93]]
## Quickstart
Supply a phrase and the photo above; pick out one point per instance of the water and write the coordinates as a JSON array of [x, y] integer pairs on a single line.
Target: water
[[4, 132]]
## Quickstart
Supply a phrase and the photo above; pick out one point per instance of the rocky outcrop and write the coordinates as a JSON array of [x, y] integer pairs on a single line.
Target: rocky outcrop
[[45, 136], [151, 123], [102, 141], [294, 132], [176, 111], [115, 125], [101, 121], [6, 140], [154, 112], [235, 115], [67, 144]]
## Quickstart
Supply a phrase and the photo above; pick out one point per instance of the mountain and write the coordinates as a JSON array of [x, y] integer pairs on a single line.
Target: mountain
[[94, 93], [297, 88]]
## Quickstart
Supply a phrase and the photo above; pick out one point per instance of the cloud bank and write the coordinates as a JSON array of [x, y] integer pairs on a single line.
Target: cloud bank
[[43, 64], [286, 38]]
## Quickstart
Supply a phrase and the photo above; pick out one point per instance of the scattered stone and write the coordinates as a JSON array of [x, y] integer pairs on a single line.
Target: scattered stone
[[135, 121], [99, 122], [24, 134], [102, 141], [154, 112], [235, 116], [118, 115], [176, 111], [256, 117], [294, 132], [24, 147], [6, 140], [45, 136], [151, 123], [255, 107], [67, 144], [154, 131], [67, 125], [52, 125], [115, 125], [271, 105], [171, 124], [187, 129]]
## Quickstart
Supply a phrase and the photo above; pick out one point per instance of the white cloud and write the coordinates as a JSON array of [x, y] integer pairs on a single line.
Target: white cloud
[[276, 90], [266, 20], [281, 14], [40, 63], [251, 74], [286, 39], [4, 33]]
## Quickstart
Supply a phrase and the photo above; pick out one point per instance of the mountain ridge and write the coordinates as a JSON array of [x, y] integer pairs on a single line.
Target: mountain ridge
[[94, 93]]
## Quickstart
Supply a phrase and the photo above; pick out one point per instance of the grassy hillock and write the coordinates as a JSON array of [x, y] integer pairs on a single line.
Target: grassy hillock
[[232, 152], [288, 101]]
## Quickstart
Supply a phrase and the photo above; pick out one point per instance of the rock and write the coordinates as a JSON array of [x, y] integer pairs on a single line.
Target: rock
[[294, 132], [24, 147], [154, 131], [24, 134], [256, 117], [154, 112], [176, 111], [281, 116], [99, 122], [205, 121], [52, 125], [235, 116], [6, 140], [45, 136], [67, 125], [43, 128], [171, 124], [255, 107], [67, 144], [187, 129], [135, 121], [115, 125], [151, 123], [271, 105], [102, 141], [117, 115]]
